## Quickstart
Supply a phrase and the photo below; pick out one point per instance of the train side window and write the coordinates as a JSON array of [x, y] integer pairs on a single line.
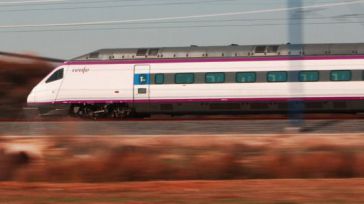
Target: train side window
[[279, 76], [305, 76], [184, 78], [246, 77], [159, 79], [340, 75], [55, 76], [215, 77]]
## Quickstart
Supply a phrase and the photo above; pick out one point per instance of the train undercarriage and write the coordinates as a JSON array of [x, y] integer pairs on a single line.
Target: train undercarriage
[[123, 111], [116, 111]]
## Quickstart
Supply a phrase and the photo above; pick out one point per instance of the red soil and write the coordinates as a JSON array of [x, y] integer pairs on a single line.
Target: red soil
[[239, 191]]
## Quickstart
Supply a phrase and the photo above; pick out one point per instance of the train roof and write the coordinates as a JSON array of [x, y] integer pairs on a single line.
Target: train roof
[[232, 50]]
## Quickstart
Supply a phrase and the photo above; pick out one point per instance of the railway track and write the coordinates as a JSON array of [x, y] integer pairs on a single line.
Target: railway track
[[194, 118], [152, 127]]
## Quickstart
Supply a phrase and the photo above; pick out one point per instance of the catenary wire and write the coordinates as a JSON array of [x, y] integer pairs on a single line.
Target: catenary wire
[[282, 9], [175, 27], [117, 6]]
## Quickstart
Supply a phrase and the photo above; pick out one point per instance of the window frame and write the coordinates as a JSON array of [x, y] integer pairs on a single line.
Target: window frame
[[269, 72], [237, 73], [308, 71], [193, 77], [223, 74], [350, 71]]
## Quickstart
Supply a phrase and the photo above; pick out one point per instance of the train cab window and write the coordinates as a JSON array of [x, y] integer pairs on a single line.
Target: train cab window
[[305, 76], [159, 79], [55, 76], [184, 78], [215, 77], [279, 76], [246, 77], [340, 75]]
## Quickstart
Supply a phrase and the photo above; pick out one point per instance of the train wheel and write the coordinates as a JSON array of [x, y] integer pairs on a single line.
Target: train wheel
[[120, 112]]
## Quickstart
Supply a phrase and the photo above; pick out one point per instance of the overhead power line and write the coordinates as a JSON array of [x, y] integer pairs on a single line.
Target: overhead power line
[[92, 23], [67, 2], [11, 3], [338, 20], [105, 5], [177, 27], [60, 2]]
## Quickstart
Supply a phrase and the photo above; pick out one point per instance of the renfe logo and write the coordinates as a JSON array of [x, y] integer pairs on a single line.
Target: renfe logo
[[81, 70]]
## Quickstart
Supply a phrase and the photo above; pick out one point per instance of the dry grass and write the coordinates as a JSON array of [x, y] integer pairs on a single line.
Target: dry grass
[[140, 159]]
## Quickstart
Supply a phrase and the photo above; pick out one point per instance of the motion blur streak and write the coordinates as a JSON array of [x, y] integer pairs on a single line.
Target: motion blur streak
[[112, 159], [19, 77]]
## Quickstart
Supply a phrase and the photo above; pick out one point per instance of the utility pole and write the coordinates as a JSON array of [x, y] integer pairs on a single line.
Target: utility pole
[[296, 89]]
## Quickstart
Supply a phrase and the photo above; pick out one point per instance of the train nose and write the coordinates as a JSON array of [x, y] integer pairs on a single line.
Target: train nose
[[31, 98]]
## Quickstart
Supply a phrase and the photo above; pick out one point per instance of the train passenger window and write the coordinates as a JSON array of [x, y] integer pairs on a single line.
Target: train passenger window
[[340, 75], [215, 77], [55, 76], [184, 78], [159, 79], [246, 77], [309, 76], [279, 76]]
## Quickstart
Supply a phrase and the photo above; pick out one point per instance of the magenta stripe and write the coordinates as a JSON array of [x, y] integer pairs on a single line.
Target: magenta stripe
[[204, 100], [231, 59]]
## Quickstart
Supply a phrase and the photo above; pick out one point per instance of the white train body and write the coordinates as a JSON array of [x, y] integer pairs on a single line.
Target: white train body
[[204, 84]]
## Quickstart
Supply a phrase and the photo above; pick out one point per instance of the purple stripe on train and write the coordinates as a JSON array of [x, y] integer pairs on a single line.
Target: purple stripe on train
[[232, 59], [206, 100]]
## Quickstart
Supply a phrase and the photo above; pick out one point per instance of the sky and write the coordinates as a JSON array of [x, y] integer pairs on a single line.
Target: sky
[[66, 29]]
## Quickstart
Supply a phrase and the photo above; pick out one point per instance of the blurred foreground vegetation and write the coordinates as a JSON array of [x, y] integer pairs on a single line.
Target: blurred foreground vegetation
[[111, 159], [17, 78]]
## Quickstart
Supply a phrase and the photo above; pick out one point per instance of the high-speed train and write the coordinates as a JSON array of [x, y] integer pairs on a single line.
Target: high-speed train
[[211, 79]]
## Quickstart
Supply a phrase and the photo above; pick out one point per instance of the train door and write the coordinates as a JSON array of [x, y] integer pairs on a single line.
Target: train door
[[141, 84]]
